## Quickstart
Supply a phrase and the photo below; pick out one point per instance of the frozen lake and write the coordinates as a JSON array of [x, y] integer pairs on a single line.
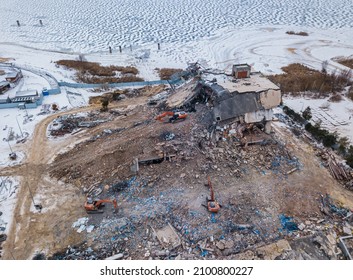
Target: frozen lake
[[93, 25]]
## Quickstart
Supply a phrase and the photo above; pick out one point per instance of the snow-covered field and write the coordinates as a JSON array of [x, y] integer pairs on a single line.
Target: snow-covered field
[[217, 34], [93, 25], [333, 116]]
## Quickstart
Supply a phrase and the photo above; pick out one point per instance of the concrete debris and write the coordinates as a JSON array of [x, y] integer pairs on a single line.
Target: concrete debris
[[80, 222], [346, 245], [338, 170], [272, 251], [72, 123], [90, 228], [168, 237], [81, 228], [156, 173], [115, 257], [347, 231], [220, 245]]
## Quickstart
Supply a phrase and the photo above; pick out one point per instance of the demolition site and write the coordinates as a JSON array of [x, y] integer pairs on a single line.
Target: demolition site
[[209, 168]]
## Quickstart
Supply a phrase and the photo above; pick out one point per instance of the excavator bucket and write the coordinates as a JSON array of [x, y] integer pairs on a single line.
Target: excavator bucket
[[94, 206]]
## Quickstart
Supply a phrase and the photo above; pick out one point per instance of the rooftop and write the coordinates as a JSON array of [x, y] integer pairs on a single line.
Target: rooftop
[[27, 93], [4, 83], [256, 83]]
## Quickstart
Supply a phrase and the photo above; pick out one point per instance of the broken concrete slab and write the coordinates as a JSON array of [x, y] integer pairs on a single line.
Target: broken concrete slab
[[347, 231], [271, 251], [346, 249], [115, 257], [220, 245], [168, 237], [301, 227]]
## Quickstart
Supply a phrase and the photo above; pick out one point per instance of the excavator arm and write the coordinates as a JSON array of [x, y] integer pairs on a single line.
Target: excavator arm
[[163, 115], [99, 203], [211, 189], [174, 116], [94, 206]]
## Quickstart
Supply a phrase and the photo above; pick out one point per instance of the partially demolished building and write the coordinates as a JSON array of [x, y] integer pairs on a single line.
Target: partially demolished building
[[247, 100], [242, 97]]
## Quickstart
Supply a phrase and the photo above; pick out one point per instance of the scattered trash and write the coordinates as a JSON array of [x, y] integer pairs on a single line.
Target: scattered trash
[[79, 222], [346, 245], [168, 237], [328, 207], [167, 136], [90, 228], [287, 223]]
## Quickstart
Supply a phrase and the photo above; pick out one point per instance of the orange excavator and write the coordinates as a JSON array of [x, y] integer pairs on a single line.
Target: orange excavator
[[93, 206], [173, 116], [212, 205]]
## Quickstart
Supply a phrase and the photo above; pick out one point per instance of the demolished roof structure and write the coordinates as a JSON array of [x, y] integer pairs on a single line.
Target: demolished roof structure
[[248, 100]]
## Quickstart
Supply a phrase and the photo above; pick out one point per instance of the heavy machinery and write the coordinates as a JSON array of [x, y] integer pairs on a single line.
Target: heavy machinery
[[173, 116], [93, 206], [212, 205]]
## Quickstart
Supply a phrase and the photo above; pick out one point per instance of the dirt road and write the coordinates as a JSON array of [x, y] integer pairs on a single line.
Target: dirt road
[[31, 229]]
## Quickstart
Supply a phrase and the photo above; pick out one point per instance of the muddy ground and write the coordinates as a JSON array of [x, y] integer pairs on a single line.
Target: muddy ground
[[251, 183]]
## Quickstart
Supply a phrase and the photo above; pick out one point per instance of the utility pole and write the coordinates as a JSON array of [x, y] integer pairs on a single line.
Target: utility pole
[[8, 142], [36, 206], [26, 110], [30, 193], [19, 126]]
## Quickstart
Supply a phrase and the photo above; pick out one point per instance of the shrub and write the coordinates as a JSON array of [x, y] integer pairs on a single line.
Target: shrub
[[336, 98], [94, 73], [343, 144], [293, 115], [350, 93], [299, 78], [328, 139], [349, 156], [346, 62], [307, 113], [166, 73], [301, 33], [105, 103]]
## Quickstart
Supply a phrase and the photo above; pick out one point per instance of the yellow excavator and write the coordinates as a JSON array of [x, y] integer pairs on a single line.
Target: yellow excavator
[[93, 206]]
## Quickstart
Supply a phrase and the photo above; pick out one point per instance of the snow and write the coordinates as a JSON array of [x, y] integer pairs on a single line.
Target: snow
[[252, 32], [93, 25], [8, 190], [333, 116], [217, 34]]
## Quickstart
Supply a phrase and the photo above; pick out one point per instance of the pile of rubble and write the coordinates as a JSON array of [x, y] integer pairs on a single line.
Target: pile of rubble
[[339, 171], [72, 123], [155, 171]]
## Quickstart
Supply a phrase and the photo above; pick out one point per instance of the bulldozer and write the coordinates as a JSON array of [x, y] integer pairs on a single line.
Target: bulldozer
[[94, 206], [173, 116], [212, 205]]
